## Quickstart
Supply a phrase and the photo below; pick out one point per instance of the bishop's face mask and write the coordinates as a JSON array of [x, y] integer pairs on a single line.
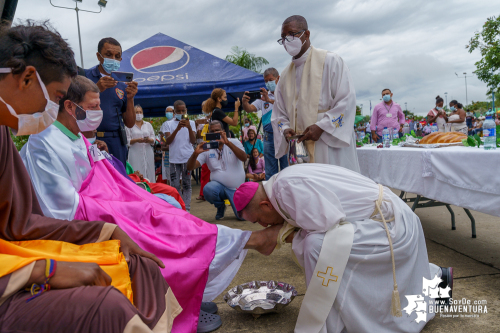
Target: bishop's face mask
[[35, 122], [87, 120]]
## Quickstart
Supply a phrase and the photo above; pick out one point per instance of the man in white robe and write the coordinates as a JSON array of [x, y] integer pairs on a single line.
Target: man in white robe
[[315, 199], [314, 97], [58, 164]]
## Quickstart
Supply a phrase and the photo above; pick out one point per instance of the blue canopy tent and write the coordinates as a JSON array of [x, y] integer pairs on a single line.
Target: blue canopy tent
[[167, 70]]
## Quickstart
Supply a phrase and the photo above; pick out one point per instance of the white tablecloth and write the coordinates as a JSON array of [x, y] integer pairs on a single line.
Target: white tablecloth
[[463, 176]]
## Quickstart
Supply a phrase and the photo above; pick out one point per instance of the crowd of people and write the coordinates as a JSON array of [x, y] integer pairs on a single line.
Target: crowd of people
[[91, 242]]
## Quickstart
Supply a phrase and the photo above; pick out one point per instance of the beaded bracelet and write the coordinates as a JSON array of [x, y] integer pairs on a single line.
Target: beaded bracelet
[[50, 269]]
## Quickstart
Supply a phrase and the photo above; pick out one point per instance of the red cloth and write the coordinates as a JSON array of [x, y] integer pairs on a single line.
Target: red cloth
[[204, 177], [161, 188]]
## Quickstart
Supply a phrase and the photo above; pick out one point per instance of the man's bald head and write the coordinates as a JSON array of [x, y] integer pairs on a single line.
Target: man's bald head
[[260, 210], [300, 21]]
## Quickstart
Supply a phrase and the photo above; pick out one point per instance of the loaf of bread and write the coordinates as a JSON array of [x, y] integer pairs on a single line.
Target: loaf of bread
[[441, 137]]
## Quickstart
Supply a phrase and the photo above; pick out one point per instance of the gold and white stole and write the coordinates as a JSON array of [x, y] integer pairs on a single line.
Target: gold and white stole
[[302, 109], [325, 282]]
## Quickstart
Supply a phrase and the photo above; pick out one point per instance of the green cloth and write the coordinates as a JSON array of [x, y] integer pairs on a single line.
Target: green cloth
[[129, 169], [66, 131], [357, 119]]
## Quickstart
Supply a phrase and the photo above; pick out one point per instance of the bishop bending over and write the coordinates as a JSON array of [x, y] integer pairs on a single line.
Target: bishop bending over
[[361, 247]]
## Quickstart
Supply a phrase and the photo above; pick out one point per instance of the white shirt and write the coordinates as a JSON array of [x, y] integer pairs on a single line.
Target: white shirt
[[368, 127], [265, 107], [164, 127], [181, 148], [228, 169], [141, 155]]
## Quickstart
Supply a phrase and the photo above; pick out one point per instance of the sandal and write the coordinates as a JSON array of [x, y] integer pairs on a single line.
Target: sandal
[[208, 322]]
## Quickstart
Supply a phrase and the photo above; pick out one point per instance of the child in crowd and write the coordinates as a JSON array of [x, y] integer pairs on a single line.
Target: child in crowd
[[256, 167]]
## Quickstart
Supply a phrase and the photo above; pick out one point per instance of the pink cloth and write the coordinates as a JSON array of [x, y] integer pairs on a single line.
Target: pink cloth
[[244, 194], [380, 119], [259, 168], [184, 243]]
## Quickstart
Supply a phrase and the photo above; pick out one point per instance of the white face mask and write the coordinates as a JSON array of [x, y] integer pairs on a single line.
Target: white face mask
[[92, 119], [293, 47], [139, 116], [36, 122]]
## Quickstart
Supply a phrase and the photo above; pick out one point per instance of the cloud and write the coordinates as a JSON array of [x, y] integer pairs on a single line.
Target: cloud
[[412, 47]]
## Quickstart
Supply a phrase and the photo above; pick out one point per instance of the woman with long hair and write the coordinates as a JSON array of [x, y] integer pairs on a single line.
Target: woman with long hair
[[437, 114], [457, 118], [256, 166], [212, 108]]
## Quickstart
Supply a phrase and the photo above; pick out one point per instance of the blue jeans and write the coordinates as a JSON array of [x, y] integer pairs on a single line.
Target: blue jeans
[[269, 159], [215, 193]]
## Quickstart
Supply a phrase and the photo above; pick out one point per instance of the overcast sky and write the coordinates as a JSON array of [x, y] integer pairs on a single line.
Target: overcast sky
[[412, 47]]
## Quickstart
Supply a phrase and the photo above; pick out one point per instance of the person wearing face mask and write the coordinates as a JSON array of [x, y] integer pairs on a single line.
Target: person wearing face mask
[[140, 138], [213, 109], [438, 115], [165, 164], [117, 98], [247, 125], [457, 118], [32, 82], [386, 114], [181, 136], [315, 98], [265, 104]]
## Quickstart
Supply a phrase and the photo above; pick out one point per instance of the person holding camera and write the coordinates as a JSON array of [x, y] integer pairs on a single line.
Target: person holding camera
[[225, 162], [181, 137], [212, 108], [265, 104]]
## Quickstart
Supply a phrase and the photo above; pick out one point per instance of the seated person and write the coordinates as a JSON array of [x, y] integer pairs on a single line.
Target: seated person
[[256, 167], [75, 180], [326, 210], [82, 295], [253, 142], [226, 169]]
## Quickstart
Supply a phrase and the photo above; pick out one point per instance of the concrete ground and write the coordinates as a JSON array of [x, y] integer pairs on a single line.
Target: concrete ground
[[476, 263]]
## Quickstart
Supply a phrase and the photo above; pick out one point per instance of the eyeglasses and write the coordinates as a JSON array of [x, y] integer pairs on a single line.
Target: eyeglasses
[[290, 37]]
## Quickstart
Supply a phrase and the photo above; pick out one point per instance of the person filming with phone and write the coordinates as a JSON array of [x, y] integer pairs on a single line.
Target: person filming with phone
[[224, 158], [181, 136], [117, 98]]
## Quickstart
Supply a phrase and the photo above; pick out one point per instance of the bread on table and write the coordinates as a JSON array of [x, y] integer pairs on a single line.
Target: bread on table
[[441, 137]]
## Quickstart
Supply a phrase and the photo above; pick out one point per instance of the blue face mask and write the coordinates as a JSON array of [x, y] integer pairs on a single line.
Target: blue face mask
[[271, 85], [386, 98], [110, 65], [169, 115], [453, 108], [438, 108], [178, 116], [247, 124], [92, 140]]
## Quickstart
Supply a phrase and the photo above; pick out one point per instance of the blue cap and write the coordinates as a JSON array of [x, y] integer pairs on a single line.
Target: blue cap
[[385, 127]]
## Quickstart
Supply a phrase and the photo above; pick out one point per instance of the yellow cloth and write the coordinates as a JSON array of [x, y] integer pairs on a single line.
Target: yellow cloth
[[204, 132], [303, 108], [15, 255]]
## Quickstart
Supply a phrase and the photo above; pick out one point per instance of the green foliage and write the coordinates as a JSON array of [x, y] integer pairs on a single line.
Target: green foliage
[[478, 106], [487, 42], [241, 57], [19, 141], [358, 110], [252, 116]]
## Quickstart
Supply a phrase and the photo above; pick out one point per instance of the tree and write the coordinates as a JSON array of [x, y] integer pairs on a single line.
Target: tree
[[243, 58], [487, 42], [19, 141]]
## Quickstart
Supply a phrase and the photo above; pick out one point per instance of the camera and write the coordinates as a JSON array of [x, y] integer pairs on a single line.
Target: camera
[[212, 136], [185, 117], [254, 95], [211, 145]]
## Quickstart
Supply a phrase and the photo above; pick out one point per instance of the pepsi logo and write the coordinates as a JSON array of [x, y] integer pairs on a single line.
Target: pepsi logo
[[159, 59]]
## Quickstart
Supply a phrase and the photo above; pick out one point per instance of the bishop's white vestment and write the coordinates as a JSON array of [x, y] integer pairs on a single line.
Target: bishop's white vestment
[[316, 198], [317, 89]]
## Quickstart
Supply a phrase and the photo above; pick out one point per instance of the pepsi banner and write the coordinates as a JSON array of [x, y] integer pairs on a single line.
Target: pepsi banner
[[168, 69]]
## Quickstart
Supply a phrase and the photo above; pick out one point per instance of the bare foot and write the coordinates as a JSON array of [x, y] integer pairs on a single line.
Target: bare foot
[[264, 240]]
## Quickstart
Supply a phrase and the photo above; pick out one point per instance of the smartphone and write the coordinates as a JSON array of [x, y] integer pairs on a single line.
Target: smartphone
[[212, 136], [185, 116], [254, 95], [122, 76], [211, 145]]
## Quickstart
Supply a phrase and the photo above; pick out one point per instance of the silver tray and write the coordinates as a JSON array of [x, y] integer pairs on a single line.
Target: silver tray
[[260, 297]]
